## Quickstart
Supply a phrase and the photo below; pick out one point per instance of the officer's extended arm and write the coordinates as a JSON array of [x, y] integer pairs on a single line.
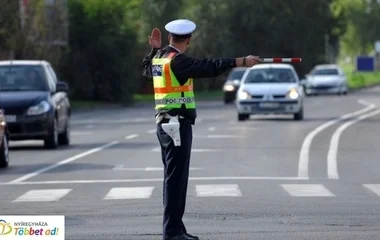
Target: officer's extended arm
[[147, 65], [187, 67]]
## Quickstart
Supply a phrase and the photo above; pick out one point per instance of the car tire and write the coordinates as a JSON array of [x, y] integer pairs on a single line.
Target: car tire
[[51, 141], [299, 115], [4, 152], [243, 117], [64, 138], [227, 100]]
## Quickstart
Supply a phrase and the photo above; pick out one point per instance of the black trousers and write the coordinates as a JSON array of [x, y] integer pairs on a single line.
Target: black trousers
[[176, 162]]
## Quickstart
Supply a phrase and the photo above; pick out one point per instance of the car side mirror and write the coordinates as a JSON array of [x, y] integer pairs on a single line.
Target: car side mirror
[[62, 87]]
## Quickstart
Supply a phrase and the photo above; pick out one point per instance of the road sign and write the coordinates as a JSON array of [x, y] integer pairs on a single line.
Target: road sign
[[365, 64]]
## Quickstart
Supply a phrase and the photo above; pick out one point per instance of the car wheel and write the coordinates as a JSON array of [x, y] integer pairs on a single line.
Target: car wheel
[[242, 117], [64, 138], [299, 115], [51, 141], [4, 152], [227, 100]]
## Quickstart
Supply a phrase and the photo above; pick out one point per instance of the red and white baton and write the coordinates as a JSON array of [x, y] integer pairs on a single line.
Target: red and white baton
[[281, 60]]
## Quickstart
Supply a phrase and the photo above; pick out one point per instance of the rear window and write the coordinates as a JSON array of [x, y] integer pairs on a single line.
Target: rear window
[[325, 71], [236, 74], [22, 78], [270, 75]]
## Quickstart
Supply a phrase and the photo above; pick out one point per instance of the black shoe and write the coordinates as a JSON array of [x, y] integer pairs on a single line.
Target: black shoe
[[192, 236], [183, 237]]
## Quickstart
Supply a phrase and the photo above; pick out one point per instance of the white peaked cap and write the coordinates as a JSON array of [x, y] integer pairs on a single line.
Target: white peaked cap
[[180, 27]]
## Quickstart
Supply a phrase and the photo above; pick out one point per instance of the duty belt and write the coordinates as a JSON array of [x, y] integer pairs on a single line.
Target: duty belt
[[181, 100]]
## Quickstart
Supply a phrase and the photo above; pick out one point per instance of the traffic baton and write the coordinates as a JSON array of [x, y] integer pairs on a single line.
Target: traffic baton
[[281, 60]]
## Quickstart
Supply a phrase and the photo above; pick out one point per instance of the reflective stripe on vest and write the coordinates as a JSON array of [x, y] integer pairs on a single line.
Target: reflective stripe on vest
[[168, 91]]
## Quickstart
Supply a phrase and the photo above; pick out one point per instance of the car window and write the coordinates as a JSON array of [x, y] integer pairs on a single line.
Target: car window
[[325, 71], [50, 80], [236, 75], [270, 75], [50, 69], [22, 78]]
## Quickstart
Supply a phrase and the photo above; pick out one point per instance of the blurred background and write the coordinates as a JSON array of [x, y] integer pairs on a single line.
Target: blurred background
[[97, 46]]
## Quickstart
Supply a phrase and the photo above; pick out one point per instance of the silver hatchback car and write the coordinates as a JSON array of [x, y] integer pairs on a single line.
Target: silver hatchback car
[[270, 89], [326, 79]]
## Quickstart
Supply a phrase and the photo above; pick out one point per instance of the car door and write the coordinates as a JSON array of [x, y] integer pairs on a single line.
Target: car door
[[58, 99]]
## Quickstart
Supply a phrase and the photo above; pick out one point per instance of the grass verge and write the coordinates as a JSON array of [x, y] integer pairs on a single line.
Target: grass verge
[[358, 80], [76, 104]]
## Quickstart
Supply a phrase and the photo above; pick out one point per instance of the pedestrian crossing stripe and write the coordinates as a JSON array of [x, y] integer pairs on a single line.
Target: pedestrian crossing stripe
[[202, 191]]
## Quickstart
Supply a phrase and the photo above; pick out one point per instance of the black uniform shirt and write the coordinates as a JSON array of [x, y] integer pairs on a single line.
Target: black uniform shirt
[[185, 67]]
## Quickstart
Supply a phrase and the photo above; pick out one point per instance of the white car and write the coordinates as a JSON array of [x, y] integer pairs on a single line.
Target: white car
[[326, 79], [270, 89]]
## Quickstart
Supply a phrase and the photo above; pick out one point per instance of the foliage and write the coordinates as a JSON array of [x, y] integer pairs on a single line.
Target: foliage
[[108, 38]]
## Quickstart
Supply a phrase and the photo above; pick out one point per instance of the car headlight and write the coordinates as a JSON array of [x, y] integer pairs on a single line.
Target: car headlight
[[293, 94], [40, 108], [244, 95], [229, 88]]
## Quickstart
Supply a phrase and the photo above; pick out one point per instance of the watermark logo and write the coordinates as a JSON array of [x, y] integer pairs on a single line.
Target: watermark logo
[[29, 227], [5, 228]]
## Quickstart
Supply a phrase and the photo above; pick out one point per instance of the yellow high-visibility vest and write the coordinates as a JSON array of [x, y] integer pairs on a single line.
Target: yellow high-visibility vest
[[168, 93]]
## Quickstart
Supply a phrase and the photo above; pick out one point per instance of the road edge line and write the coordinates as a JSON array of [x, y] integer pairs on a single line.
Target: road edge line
[[303, 161], [332, 155], [63, 162]]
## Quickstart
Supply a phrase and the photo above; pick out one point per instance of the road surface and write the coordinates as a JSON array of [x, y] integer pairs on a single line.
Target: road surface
[[266, 178]]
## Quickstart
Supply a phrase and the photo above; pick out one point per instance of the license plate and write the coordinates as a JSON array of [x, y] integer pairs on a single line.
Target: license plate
[[268, 105], [10, 118]]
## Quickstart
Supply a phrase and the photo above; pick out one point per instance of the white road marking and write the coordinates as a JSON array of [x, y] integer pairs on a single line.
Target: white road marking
[[303, 163], [375, 188], [219, 190], [131, 136], [211, 129], [218, 116], [196, 150], [45, 195], [224, 136], [129, 193], [152, 180], [147, 169], [152, 131], [63, 162], [241, 128], [332, 163], [217, 136], [307, 190], [110, 121], [81, 133], [90, 126]]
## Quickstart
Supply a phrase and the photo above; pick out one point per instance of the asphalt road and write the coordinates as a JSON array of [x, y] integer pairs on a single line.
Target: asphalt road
[[266, 178]]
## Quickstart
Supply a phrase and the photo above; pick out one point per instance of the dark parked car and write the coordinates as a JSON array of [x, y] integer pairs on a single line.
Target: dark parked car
[[35, 103], [232, 84]]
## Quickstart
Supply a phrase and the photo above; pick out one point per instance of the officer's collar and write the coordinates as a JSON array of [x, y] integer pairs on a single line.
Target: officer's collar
[[175, 48]]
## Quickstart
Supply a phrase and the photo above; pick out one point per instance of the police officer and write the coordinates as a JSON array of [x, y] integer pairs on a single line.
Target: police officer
[[172, 73]]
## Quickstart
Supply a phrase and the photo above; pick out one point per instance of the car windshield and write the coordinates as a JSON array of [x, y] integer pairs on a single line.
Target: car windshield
[[236, 75], [22, 78], [324, 72], [270, 75]]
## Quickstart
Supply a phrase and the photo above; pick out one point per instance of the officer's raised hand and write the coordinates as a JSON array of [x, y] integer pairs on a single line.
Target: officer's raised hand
[[155, 38]]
